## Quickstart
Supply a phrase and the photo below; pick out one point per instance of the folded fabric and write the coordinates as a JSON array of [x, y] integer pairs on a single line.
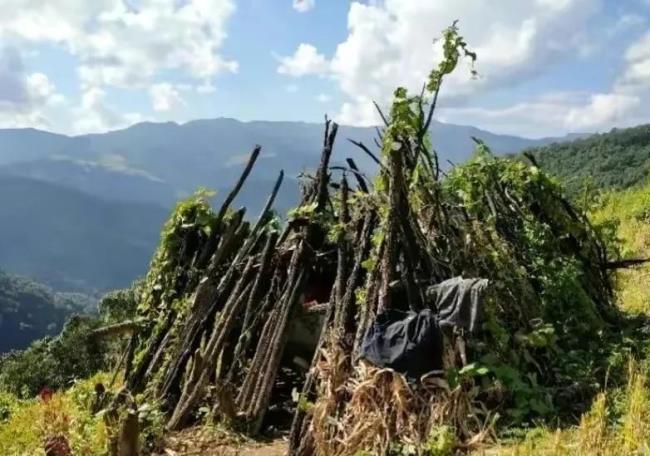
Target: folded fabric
[[458, 302], [410, 343]]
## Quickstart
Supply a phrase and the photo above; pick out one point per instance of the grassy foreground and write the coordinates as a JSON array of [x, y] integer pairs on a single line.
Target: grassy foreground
[[28, 423], [618, 422]]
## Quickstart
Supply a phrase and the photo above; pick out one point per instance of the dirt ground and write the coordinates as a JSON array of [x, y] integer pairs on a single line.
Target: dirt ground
[[216, 442]]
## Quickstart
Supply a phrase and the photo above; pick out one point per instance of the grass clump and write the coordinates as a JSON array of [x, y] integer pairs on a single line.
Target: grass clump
[[618, 423], [627, 214], [28, 423]]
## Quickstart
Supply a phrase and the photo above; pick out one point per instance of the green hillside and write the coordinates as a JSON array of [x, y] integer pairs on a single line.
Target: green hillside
[[71, 240], [30, 310], [615, 160]]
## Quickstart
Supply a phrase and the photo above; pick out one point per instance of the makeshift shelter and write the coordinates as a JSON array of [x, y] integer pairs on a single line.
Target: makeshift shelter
[[222, 293]]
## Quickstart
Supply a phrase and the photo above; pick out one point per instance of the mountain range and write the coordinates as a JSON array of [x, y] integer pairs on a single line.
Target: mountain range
[[162, 162], [85, 212]]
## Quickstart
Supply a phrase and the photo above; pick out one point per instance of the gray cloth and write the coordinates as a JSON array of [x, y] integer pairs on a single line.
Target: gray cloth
[[458, 302]]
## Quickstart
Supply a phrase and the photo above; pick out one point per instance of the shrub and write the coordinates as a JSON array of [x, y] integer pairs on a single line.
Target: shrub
[[54, 362]]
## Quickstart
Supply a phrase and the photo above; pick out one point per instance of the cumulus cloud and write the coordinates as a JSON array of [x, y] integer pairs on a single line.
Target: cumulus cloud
[[305, 61], [31, 99], [302, 6], [206, 88], [126, 45], [389, 44], [122, 45], [25, 97], [165, 97], [629, 20], [621, 106], [95, 114], [552, 114], [13, 88], [603, 109], [636, 76]]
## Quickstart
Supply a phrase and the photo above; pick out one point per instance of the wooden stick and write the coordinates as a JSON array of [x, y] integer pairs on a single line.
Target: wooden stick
[[245, 335], [240, 182], [361, 178], [363, 147], [381, 113]]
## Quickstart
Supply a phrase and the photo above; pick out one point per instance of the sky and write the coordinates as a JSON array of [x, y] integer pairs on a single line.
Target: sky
[[545, 67]]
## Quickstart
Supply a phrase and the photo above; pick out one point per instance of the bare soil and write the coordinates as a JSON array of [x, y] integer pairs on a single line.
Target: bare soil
[[216, 442]]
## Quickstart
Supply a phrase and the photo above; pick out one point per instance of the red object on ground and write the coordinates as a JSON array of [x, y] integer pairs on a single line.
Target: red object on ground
[[57, 446], [46, 394]]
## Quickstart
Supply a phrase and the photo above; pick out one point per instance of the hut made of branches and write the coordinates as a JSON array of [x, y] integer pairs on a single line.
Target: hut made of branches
[[223, 291]]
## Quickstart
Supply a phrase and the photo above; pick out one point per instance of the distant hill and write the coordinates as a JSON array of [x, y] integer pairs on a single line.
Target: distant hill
[[71, 240], [25, 144], [95, 178], [161, 162], [85, 212], [30, 310], [614, 160]]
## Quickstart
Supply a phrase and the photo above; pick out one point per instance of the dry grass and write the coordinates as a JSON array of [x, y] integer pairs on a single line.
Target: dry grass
[[630, 210], [375, 410], [600, 432]]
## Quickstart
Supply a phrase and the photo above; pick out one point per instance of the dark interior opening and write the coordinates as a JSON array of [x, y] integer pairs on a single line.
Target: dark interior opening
[[304, 332]]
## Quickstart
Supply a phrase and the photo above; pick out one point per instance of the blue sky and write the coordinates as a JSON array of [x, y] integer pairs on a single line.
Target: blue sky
[[546, 67]]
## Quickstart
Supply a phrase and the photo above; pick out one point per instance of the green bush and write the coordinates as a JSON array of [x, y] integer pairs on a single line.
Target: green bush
[[54, 362]]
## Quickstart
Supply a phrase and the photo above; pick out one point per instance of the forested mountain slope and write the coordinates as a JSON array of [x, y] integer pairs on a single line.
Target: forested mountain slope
[[31, 310], [614, 160], [71, 240]]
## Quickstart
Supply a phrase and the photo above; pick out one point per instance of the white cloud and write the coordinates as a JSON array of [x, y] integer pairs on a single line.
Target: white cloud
[[39, 105], [529, 118], [636, 76], [621, 106], [552, 114], [630, 20], [602, 110], [624, 24], [42, 90], [302, 6], [389, 44], [95, 114], [323, 98], [123, 46], [165, 97], [305, 61], [120, 44], [13, 88], [25, 98]]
